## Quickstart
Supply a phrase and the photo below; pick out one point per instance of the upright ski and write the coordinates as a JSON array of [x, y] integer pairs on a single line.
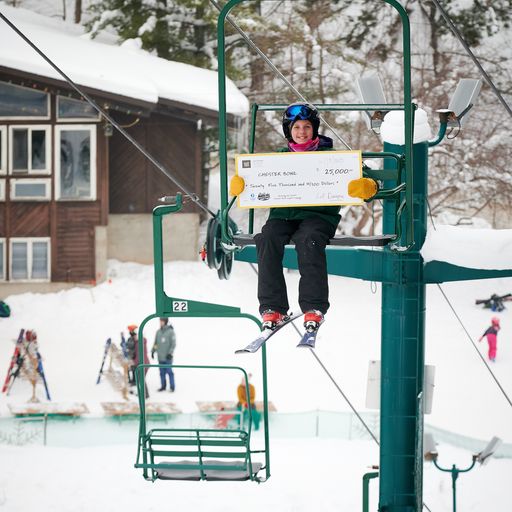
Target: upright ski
[[266, 334], [14, 360], [41, 373], [105, 353]]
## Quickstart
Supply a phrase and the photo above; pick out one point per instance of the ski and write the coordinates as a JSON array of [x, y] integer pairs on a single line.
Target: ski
[[309, 339], [105, 353], [41, 373], [266, 334], [14, 360]]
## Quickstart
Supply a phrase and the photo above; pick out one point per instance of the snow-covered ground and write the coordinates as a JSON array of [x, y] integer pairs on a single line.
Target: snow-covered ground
[[307, 474], [73, 325]]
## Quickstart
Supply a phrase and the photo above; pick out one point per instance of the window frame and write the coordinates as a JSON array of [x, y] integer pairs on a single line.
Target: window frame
[[48, 149], [30, 118], [34, 181], [3, 251], [2, 189], [29, 241], [94, 167], [74, 119], [5, 149]]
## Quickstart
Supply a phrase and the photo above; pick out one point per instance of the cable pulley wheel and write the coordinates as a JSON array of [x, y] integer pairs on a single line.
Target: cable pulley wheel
[[214, 249], [226, 265]]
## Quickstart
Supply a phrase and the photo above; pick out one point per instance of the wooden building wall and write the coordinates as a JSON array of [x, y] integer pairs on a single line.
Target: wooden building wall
[[70, 224], [126, 183], [135, 184]]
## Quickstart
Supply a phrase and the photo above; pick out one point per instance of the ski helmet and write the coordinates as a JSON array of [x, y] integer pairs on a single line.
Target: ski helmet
[[303, 112], [495, 320]]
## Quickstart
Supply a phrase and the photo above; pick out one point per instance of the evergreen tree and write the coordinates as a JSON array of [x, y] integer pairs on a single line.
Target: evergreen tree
[[181, 30]]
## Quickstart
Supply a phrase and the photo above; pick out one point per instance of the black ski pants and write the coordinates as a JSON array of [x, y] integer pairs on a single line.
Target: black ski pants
[[310, 237]]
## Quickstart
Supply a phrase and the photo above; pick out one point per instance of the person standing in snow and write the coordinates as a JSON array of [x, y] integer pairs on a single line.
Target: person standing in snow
[[310, 227], [131, 342], [132, 348], [164, 346], [246, 402], [492, 337]]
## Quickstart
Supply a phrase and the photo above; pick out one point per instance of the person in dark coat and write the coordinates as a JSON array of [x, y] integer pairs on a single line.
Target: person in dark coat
[[310, 227], [136, 359], [164, 346], [492, 338]]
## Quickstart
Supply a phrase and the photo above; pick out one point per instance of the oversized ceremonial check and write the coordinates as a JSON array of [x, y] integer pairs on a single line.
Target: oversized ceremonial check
[[315, 178]]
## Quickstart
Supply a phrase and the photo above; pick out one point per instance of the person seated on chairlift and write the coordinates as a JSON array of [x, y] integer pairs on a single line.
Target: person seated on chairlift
[[309, 227]]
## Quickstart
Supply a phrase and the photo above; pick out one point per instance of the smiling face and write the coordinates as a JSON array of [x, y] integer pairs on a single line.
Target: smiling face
[[302, 131]]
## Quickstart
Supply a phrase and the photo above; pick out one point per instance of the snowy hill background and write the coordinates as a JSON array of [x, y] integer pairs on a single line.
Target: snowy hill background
[[73, 325]]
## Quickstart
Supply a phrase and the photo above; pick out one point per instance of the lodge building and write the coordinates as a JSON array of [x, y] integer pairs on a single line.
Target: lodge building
[[74, 192]]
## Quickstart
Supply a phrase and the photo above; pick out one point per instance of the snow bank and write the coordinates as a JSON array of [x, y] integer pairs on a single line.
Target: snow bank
[[392, 128], [489, 249], [118, 70]]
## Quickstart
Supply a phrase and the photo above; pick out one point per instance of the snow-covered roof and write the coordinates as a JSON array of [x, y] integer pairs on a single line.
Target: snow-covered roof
[[119, 70], [489, 249]]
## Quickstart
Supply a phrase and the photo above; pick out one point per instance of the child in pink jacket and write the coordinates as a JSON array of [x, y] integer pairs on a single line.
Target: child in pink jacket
[[492, 337]]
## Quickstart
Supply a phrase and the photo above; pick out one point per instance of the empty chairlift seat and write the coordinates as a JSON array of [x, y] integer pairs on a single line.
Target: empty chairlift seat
[[200, 454]]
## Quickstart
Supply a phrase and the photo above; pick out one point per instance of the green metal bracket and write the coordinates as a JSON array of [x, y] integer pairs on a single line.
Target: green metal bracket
[[366, 489], [440, 135], [454, 471], [441, 272]]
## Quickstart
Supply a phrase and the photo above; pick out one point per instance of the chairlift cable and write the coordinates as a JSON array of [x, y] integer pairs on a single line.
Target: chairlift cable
[[107, 116], [276, 71], [474, 346], [459, 36]]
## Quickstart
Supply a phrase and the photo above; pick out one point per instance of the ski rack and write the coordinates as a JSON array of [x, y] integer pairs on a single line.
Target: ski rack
[[154, 443]]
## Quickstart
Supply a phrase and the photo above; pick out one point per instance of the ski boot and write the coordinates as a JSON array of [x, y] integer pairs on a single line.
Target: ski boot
[[313, 319], [270, 319]]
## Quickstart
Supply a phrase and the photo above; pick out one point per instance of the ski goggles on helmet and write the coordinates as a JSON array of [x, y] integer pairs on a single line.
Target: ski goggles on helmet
[[295, 112]]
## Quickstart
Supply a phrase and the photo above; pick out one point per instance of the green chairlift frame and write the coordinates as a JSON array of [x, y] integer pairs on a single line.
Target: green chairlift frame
[[231, 242], [204, 446]]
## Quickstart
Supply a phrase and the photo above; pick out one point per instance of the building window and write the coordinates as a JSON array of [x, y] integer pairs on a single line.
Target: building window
[[2, 259], [30, 259], [29, 149], [75, 162], [3, 149], [23, 103], [30, 190], [69, 109], [2, 190]]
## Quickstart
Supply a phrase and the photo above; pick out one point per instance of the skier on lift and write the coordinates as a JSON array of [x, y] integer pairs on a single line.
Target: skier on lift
[[309, 227]]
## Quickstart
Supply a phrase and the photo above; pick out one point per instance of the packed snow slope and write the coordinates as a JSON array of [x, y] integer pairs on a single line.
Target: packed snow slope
[[307, 475], [73, 325]]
